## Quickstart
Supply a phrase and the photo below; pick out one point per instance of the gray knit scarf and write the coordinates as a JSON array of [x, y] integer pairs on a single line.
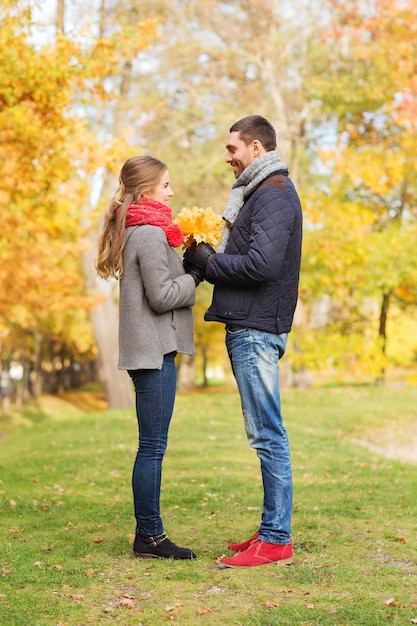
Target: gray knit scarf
[[252, 175]]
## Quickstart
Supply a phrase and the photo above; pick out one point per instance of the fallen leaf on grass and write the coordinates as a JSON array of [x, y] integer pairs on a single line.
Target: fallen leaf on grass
[[311, 606], [77, 597], [98, 540], [37, 564], [401, 539], [300, 592], [271, 605], [128, 601], [172, 607], [51, 547], [202, 610], [91, 572], [392, 602], [219, 559]]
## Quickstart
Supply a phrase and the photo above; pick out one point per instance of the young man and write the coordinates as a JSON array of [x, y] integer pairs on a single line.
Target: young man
[[255, 276]]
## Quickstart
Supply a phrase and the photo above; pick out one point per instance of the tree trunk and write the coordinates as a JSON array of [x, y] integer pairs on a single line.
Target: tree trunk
[[205, 365], [60, 16], [186, 373], [104, 319], [383, 317]]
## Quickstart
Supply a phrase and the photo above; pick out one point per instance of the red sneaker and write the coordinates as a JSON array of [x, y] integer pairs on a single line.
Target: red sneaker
[[239, 547], [261, 553]]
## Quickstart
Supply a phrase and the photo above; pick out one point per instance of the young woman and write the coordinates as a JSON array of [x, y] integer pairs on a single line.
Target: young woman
[[137, 246]]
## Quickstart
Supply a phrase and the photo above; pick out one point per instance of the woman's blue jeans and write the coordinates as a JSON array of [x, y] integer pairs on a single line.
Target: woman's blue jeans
[[254, 356], [155, 396]]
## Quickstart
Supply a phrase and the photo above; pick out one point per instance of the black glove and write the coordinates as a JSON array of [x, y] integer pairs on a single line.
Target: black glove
[[196, 272], [199, 254]]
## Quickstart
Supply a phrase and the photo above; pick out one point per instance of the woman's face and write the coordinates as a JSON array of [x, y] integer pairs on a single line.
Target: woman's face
[[162, 192]]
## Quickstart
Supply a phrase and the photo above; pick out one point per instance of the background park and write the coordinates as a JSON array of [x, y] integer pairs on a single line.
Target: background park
[[82, 88]]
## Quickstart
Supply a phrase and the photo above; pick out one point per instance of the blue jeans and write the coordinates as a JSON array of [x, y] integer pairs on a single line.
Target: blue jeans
[[155, 396], [254, 356]]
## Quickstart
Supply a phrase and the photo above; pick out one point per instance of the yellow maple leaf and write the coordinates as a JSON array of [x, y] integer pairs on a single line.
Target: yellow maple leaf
[[199, 224]]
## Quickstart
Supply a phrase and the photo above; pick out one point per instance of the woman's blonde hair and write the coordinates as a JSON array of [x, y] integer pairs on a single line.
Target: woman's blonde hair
[[139, 175]]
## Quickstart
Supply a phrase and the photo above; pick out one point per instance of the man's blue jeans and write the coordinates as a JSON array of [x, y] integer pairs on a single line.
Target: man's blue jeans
[[155, 397], [254, 356]]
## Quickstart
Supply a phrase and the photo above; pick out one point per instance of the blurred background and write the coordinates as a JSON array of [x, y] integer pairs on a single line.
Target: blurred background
[[84, 86]]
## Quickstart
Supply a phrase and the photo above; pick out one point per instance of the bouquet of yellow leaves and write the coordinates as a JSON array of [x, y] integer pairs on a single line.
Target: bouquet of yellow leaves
[[199, 225]]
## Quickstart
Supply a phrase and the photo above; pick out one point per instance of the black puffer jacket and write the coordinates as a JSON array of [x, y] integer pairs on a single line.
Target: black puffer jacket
[[256, 278]]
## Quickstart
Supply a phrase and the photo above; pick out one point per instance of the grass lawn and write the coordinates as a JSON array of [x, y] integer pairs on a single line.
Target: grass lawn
[[66, 518]]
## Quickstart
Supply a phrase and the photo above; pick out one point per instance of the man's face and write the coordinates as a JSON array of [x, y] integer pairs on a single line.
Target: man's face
[[238, 154]]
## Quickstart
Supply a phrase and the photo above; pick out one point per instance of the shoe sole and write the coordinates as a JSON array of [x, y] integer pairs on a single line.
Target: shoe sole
[[280, 562], [145, 555]]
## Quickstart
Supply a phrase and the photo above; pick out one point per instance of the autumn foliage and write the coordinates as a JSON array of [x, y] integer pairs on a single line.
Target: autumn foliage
[[48, 154], [344, 103], [199, 225]]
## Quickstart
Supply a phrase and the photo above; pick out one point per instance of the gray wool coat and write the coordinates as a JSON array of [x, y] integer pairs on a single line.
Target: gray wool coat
[[156, 296]]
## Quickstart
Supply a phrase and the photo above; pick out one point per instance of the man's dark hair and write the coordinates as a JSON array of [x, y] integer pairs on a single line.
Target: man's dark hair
[[256, 127]]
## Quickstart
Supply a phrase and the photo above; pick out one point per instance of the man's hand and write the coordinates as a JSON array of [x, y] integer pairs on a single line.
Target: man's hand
[[199, 255]]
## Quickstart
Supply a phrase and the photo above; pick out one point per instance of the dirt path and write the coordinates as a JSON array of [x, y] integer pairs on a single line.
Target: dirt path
[[396, 449]]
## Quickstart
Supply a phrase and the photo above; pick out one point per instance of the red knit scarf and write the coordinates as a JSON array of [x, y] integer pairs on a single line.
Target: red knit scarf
[[156, 214]]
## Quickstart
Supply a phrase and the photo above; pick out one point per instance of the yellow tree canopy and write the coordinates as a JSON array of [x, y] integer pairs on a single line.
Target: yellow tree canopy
[[47, 153], [362, 225]]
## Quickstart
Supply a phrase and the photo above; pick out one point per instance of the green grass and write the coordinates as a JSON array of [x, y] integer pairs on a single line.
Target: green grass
[[66, 518]]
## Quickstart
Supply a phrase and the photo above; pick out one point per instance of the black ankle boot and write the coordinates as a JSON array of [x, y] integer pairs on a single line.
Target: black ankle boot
[[159, 547]]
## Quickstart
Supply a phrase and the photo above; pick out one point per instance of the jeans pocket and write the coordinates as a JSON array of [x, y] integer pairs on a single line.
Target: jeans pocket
[[234, 329]]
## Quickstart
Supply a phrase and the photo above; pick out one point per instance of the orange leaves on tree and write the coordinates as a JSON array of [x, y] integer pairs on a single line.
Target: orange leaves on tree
[[47, 153], [360, 236]]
